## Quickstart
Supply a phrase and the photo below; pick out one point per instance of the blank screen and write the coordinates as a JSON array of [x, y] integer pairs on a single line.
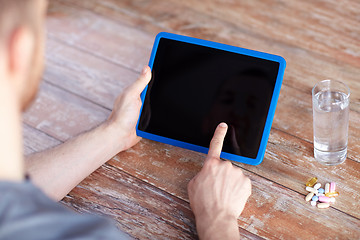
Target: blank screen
[[194, 88]]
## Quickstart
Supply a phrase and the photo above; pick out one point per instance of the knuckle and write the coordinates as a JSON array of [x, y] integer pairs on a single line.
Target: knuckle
[[208, 164], [211, 162], [227, 164]]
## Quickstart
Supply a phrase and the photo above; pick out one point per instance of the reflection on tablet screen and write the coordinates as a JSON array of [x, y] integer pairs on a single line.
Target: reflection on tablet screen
[[194, 88]]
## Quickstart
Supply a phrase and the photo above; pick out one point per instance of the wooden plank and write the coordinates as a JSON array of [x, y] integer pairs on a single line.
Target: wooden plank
[[86, 201], [51, 95], [290, 163], [106, 39], [170, 169], [325, 27], [86, 75], [135, 205], [294, 116], [36, 141], [170, 184], [63, 115], [275, 212], [151, 160], [276, 209], [304, 117], [140, 209], [294, 111], [305, 66]]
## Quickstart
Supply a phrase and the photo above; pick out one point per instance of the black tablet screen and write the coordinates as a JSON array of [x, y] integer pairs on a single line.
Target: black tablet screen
[[194, 88]]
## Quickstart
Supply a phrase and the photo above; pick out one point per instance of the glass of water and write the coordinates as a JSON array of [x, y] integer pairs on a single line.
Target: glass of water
[[331, 120]]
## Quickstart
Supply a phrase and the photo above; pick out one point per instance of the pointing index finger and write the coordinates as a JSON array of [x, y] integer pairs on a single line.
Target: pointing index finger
[[217, 141]]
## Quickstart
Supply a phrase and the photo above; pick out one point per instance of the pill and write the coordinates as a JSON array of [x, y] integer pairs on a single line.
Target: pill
[[309, 196], [323, 205], [317, 185], [332, 194], [311, 182], [332, 187], [324, 199], [327, 188], [310, 189], [321, 197]]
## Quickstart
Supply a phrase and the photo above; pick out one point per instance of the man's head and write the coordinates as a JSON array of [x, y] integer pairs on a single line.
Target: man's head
[[21, 46]]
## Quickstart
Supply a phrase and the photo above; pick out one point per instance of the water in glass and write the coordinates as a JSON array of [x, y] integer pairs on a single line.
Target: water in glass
[[331, 111]]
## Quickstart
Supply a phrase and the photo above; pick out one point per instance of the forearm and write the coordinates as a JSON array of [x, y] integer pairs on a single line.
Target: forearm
[[219, 227], [58, 170]]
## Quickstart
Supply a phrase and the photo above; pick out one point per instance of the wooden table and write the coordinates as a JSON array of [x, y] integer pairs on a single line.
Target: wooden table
[[96, 48]]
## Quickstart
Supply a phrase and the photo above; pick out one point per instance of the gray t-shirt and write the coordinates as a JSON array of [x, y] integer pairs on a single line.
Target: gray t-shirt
[[26, 213]]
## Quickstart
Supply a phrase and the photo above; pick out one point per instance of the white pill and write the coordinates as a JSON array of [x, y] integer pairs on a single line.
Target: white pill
[[323, 205], [310, 189], [309, 196], [327, 188], [332, 200], [317, 186], [313, 203]]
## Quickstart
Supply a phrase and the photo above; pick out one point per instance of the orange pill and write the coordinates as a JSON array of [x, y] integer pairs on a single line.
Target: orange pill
[[311, 182], [332, 194]]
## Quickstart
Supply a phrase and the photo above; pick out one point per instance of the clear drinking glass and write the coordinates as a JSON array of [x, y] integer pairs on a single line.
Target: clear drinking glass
[[331, 120]]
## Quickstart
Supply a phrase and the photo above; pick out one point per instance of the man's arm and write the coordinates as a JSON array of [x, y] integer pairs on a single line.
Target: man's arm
[[218, 193], [58, 170]]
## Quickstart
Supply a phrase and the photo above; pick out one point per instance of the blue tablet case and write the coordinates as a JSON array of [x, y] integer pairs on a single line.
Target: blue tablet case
[[167, 92]]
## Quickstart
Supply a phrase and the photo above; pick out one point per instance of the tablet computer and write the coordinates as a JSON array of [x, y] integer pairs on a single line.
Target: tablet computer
[[197, 84]]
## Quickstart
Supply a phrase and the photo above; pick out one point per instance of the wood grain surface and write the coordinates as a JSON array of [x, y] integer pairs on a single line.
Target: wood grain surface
[[97, 48]]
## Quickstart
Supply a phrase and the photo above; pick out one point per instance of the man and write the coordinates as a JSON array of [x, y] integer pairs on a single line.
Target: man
[[217, 193]]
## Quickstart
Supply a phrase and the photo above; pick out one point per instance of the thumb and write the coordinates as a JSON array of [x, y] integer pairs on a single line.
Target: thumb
[[144, 78]]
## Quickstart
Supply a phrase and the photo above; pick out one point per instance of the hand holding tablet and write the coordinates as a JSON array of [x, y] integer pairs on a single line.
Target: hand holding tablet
[[197, 84]]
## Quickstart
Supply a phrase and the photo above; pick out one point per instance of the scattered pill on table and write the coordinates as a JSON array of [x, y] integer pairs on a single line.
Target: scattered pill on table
[[310, 189], [309, 196], [323, 205], [320, 197], [324, 199], [311, 182], [332, 187], [327, 188], [332, 194], [317, 186]]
